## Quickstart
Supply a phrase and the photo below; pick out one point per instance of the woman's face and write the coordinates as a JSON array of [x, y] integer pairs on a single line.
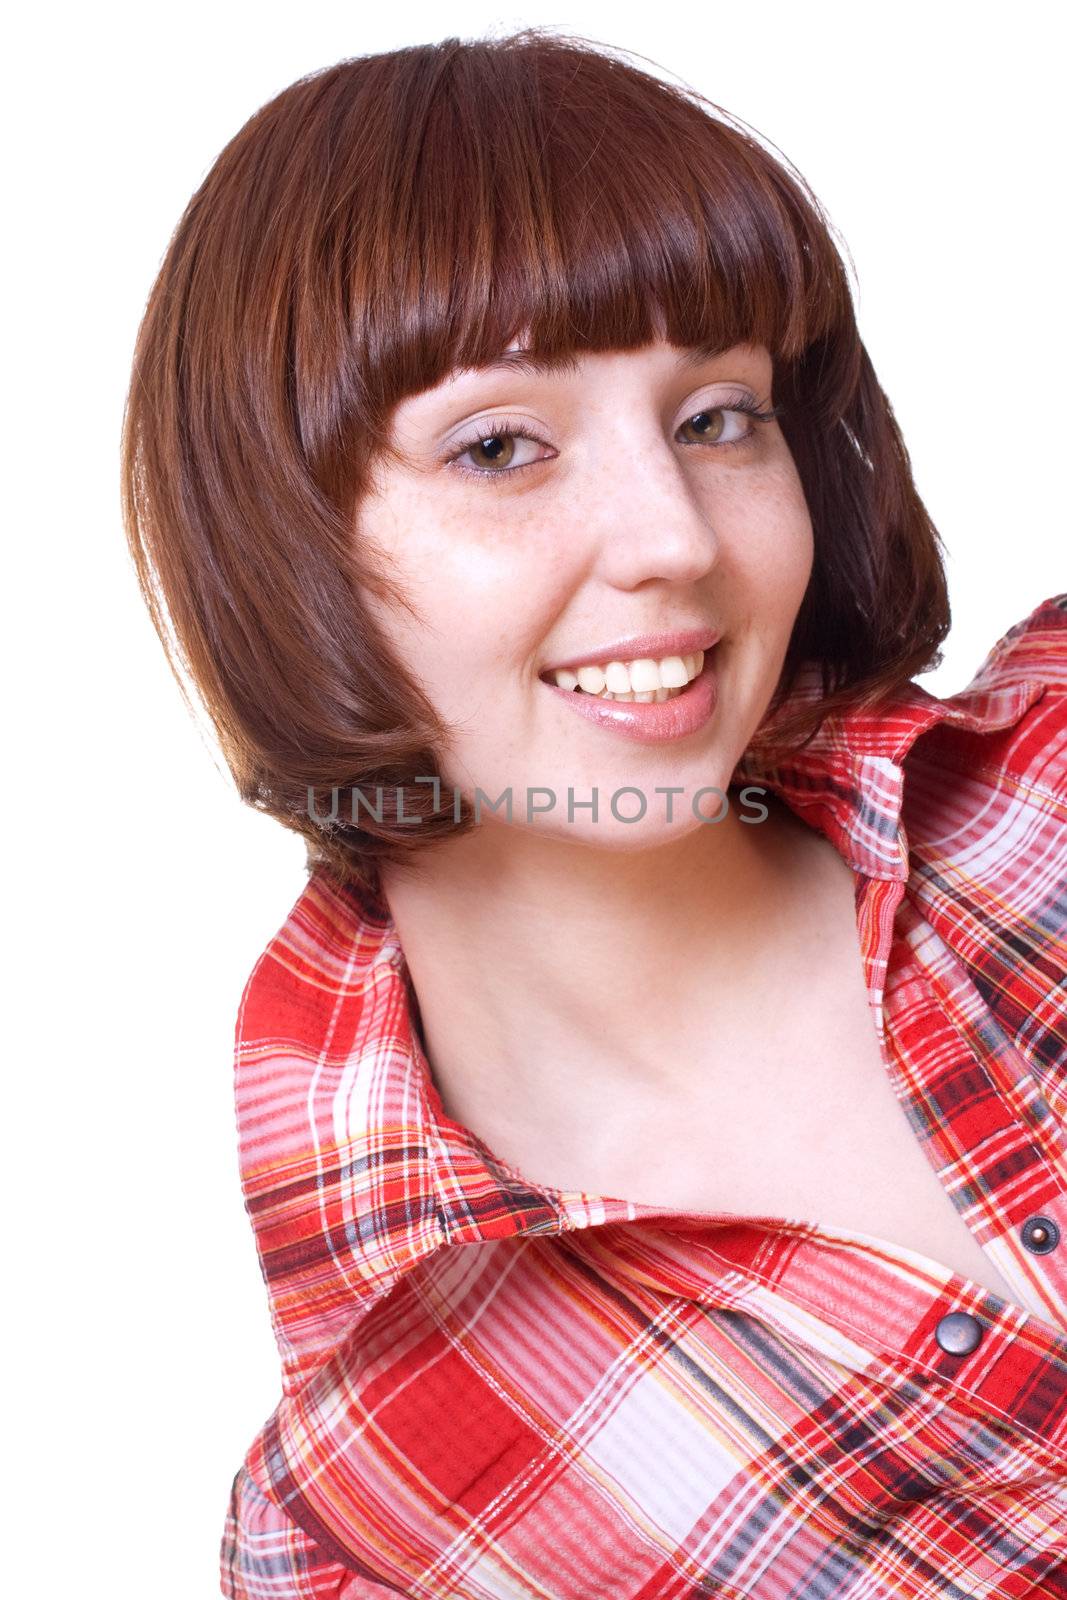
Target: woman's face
[[554, 519]]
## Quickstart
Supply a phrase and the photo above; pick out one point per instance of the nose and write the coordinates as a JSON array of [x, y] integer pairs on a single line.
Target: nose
[[648, 520]]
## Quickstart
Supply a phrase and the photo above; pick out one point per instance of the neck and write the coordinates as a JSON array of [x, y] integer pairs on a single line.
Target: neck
[[550, 972]]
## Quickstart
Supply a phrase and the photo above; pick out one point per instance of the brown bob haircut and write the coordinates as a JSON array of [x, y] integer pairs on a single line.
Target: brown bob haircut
[[386, 220]]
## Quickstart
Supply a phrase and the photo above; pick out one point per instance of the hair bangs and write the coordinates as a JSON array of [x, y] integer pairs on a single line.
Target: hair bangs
[[585, 208]]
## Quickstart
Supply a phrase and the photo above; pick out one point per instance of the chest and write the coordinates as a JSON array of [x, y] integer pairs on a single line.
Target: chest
[[817, 1134]]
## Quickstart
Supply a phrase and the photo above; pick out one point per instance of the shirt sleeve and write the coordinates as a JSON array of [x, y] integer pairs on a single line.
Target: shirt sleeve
[[266, 1556]]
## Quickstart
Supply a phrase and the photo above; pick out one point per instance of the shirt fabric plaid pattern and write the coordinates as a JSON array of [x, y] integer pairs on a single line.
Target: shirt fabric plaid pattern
[[492, 1389]]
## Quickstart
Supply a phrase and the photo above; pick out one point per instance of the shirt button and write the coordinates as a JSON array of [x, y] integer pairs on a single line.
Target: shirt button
[[959, 1333], [1040, 1234]]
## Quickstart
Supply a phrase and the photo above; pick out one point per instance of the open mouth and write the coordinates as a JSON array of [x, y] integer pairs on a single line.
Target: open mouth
[[643, 682]]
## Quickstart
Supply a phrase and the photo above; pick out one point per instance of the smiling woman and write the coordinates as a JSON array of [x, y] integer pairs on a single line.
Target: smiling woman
[[653, 1111], [373, 233]]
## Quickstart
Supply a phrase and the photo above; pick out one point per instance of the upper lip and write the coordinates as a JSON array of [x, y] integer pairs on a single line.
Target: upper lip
[[641, 646]]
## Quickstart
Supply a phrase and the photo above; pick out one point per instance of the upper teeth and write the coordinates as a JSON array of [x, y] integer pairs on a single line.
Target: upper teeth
[[643, 676]]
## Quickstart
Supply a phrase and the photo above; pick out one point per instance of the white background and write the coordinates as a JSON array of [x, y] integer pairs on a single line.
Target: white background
[[141, 1359]]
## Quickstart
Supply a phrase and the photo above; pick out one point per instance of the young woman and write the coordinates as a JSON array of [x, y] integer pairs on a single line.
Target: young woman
[[653, 1112]]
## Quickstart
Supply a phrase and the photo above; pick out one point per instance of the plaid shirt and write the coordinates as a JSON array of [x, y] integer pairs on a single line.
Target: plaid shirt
[[493, 1389]]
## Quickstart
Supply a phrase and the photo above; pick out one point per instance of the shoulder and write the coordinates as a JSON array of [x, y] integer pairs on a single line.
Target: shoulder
[[1034, 648], [1006, 731], [334, 1166], [985, 815]]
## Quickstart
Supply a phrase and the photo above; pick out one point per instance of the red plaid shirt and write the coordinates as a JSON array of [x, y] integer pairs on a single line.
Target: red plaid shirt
[[493, 1389]]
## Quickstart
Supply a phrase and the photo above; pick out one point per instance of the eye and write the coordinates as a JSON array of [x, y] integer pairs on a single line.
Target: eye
[[725, 424], [495, 444], [722, 427]]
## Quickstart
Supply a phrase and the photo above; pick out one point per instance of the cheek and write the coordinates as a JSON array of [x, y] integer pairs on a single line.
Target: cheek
[[772, 542], [482, 592]]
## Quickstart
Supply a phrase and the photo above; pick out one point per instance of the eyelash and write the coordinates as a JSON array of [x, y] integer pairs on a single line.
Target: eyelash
[[509, 427]]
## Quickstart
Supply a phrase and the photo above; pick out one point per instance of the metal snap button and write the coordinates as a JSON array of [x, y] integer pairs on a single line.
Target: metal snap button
[[959, 1333], [1040, 1234]]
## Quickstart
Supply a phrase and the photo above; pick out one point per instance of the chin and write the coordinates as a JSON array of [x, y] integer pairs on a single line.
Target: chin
[[632, 816], [619, 838]]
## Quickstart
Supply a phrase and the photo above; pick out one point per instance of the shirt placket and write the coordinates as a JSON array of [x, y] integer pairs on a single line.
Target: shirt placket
[[906, 1321], [1001, 1166]]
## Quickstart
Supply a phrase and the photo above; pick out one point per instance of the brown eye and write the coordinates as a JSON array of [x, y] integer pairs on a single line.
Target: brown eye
[[498, 450], [727, 426], [708, 424]]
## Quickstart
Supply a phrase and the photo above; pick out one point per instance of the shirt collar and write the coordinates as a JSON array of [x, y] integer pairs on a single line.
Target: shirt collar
[[848, 780]]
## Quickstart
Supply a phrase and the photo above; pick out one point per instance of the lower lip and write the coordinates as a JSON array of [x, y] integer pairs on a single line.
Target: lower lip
[[646, 722]]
